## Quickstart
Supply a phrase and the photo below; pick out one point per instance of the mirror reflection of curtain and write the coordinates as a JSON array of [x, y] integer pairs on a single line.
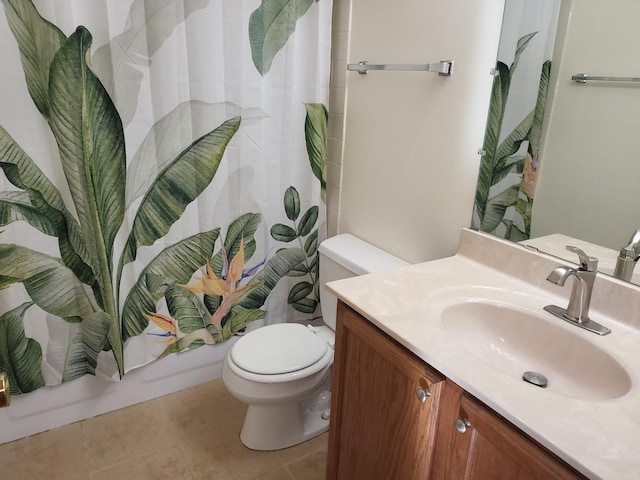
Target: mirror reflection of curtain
[[162, 173], [510, 163]]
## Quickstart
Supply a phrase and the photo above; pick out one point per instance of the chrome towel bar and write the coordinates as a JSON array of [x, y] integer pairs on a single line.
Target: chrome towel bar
[[584, 78], [443, 68]]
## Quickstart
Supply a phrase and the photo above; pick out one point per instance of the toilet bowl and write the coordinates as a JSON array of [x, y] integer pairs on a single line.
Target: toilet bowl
[[286, 387], [283, 371]]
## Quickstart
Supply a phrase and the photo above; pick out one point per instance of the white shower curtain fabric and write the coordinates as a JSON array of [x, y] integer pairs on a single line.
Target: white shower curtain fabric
[[523, 18], [162, 177], [510, 161]]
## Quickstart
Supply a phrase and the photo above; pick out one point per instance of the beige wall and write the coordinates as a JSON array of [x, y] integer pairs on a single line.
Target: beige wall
[[590, 159], [403, 146]]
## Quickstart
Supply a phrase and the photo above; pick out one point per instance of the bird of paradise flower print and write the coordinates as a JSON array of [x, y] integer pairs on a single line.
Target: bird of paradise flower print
[[167, 324], [228, 287], [223, 296]]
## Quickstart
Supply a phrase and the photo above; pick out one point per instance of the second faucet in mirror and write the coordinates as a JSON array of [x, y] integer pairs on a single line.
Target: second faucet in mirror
[[628, 258]]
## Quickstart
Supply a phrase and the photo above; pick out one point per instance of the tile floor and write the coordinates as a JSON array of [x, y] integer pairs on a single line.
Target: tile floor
[[190, 435]]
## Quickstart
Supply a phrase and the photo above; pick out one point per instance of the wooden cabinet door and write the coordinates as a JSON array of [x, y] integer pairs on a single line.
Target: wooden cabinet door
[[491, 448], [380, 428]]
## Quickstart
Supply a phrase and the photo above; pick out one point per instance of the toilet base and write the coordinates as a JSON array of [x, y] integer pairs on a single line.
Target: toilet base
[[273, 427]]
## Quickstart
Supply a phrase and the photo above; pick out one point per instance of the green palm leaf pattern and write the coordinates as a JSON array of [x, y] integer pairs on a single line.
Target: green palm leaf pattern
[[520, 48], [177, 186], [242, 228], [270, 27], [511, 144], [276, 267], [536, 125], [240, 319], [498, 159], [177, 262], [86, 344], [514, 164], [187, 309], [16, 206], [168, 137], [20, 356], [491, 137], [315, 130], [38, 41], [87, 128], [22, 172], [492, 159], [50, 284], [497, 206], [512, 232], [90, 139]]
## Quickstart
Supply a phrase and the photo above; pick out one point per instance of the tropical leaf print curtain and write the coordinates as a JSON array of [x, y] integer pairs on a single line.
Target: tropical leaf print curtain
[[162, 177], [510, 161]]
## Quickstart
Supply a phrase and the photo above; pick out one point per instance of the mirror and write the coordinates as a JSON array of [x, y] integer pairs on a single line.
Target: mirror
[[565, 168]]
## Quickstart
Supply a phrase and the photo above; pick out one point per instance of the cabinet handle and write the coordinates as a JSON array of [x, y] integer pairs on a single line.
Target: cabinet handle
[[462, 424], [422, 394]]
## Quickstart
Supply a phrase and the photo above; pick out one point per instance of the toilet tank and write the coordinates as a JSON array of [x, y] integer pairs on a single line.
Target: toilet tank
[[345, 256]]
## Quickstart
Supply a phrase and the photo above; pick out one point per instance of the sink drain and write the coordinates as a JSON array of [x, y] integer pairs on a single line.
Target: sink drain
[[535, 378]]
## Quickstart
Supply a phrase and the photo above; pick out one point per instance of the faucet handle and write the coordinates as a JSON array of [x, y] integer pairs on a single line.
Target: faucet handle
[[632, 250], [587, 263]]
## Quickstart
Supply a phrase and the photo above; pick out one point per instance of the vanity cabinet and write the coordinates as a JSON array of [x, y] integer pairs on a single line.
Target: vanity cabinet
[[478, 444], [384, 408], [393, 417]]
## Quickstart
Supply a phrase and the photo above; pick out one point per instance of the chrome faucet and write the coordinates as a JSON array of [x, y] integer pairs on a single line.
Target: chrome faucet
[[628, 258], [577, 312]]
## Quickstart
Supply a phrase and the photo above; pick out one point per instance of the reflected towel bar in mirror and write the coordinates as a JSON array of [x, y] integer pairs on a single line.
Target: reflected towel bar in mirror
[[443, 68], [584, 78]]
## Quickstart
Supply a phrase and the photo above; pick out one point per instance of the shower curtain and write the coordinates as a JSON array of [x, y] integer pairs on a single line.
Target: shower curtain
[[510, 161], [162, 176]]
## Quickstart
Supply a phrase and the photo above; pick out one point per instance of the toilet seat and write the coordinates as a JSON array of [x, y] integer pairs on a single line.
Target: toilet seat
[[278, 349]]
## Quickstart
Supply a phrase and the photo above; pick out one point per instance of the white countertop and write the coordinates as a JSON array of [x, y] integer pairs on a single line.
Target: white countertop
[[600, 438]]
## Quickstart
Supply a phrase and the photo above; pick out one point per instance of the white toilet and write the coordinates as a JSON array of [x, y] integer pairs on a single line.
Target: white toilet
[[282, 371]]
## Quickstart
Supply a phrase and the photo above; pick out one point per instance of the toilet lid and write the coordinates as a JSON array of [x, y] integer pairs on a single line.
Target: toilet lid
[[278, 348]]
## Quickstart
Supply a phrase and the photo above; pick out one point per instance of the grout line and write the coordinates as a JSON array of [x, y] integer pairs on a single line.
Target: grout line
[[174, 435], [85, 448], [187, 463], [286, 469], [117, 464]]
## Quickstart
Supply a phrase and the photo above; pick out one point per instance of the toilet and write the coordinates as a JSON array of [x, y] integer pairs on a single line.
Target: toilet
[[283, 371]]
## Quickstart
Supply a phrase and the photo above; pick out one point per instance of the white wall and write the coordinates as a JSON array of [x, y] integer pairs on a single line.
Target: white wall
[[588, 186], [411, 138]]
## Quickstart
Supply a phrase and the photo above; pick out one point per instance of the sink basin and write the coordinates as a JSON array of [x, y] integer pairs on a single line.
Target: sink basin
[[514, 341]]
